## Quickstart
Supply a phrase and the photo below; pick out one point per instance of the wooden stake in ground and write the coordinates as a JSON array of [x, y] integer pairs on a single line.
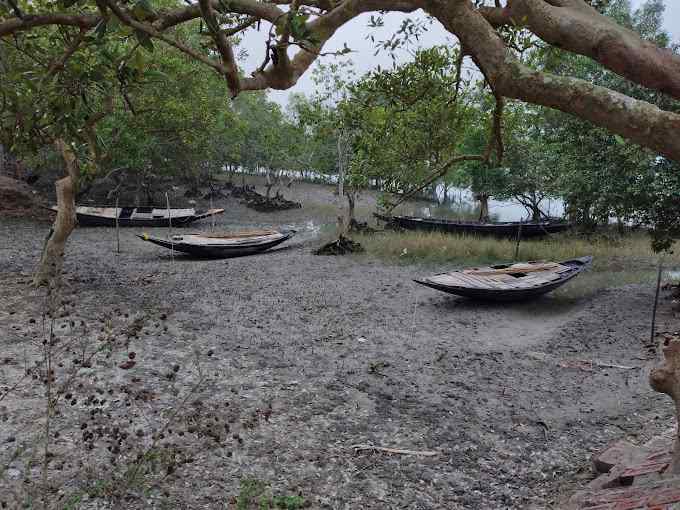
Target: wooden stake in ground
[[519, 238], [172, 248], [666, 379], [212, 218], [656, 301], [117, 229]]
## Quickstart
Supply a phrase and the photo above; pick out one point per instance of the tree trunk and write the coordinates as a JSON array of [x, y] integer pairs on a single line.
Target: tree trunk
[[483, 207], [52, 260], [269, 185], [666, 379], [341, 168], [620, 226], [351, 201]]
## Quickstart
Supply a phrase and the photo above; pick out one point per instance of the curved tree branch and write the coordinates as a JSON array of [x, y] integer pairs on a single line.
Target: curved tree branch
[[223, 45], [639, 121], [575, 26], [322, 29]]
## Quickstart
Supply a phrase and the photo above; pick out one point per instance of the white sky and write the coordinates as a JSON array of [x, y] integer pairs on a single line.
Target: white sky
[[354, 34]]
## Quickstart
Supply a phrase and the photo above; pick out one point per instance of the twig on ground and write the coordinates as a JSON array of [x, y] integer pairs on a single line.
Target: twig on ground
[[583, 364], [396, 451]]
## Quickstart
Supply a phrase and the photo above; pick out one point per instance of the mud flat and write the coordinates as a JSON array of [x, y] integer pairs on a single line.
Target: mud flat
[[303, 357]]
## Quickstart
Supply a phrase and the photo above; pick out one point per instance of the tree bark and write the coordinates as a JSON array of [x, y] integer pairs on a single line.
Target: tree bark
[[52, 259], [666, 379], [639, 121], [351, 202], [483, 207]]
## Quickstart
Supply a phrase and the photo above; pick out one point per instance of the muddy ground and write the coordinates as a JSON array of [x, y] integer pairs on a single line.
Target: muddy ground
[[301, 357]]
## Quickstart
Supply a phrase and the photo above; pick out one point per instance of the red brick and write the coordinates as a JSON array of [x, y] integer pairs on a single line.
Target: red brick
[[615, 454]]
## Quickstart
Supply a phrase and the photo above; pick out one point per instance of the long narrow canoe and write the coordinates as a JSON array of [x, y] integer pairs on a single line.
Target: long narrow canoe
[[510, 229], [235, 244], [138, 216], [508, 282]]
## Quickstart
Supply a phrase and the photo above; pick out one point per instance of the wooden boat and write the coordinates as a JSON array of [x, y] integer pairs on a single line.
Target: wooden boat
[[138, 216], [500, 229], [235, 244], [508, 282]]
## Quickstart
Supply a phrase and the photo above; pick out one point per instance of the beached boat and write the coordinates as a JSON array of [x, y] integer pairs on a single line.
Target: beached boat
[[235, 244], [511, 229], [508, 282], [138, 216]]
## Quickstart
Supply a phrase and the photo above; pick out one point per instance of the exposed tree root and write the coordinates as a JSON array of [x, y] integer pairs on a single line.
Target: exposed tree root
[[341, 246], [360, 227], [261, 203]]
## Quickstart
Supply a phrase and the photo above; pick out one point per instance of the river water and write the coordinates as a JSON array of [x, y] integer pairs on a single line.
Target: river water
[[459, 201]]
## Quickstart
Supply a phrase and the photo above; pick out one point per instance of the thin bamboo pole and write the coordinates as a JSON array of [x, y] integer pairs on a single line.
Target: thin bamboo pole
[[117, 228], [656, 300], [172, 247], [519, 239]]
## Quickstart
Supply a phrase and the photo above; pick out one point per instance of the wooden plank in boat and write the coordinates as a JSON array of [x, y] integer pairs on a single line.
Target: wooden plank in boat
[[104, 212], [455, 280], [483, 282], [515, 268], [234, 235], [479, 282]]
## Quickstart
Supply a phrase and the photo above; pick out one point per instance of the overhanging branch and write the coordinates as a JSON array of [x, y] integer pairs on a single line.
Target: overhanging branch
[[223, 45]]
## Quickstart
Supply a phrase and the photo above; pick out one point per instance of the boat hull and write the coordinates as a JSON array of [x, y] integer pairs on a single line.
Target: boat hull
[[507, 229], [506, 295], [127, 216], [218, 251], [88, 220]]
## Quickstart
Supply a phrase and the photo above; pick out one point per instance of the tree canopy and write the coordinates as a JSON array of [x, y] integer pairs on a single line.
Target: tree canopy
[[300, 29]]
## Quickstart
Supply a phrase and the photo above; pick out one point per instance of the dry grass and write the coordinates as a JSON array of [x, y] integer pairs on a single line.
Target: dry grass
[[629, 253]]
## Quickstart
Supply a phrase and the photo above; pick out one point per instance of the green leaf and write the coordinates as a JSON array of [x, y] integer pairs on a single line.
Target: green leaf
[[144, 40], [156, 74], [138, 61], [619, 140]]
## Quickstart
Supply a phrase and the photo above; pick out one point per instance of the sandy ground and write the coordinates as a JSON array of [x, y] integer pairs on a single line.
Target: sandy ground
[[306, 356]]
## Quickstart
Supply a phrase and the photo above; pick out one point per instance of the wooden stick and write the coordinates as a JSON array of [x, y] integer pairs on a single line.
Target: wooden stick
[[172, 247], [396, 451], [117, 228], [212, 218], [609, 365], [656, 300], [519, 238]]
